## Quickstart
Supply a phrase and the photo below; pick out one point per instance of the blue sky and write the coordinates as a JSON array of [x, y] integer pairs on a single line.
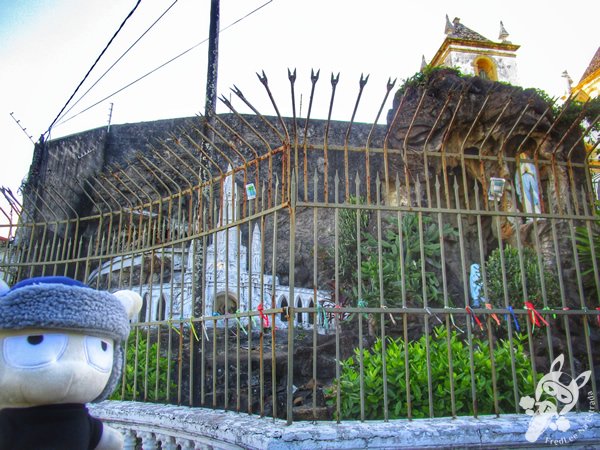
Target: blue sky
[[46, 46]]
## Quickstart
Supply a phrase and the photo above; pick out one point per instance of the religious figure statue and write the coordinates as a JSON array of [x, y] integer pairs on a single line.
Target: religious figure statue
[[476, 286], [526, 184], [256, 250]]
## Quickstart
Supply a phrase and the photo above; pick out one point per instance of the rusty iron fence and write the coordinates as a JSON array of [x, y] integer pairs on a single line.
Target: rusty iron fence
[[308, 269]]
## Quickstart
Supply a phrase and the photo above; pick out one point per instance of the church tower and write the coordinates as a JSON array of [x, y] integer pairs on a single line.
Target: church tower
[[474, 54], [589, 85]]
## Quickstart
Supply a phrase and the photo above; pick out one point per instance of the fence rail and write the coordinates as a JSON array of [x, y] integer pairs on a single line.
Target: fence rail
[[380, 274]]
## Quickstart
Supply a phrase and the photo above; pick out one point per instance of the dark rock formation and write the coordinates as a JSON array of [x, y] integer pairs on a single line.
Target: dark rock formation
[[466, 130]]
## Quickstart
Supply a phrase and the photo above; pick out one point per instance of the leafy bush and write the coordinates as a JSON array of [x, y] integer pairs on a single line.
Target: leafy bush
[[421, 78], [586, 112], [134, 369], [514, 276], [347, 247], [411, 254], [585, 245], [440, 377]]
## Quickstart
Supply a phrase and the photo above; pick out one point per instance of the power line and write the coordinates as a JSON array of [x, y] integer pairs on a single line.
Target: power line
[[165, 63], [117, 61], [94, 65]]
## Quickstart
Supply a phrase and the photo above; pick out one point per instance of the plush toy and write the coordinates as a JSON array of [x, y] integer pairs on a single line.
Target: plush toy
[[61, 346]]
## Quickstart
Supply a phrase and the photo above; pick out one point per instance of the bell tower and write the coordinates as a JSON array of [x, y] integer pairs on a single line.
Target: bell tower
[[474, 54]]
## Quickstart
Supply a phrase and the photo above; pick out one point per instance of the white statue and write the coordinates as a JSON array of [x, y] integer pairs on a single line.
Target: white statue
[[529, 194]]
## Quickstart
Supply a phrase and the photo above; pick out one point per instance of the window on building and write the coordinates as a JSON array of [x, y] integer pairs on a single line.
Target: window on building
[[162, 308], [299, 314], [143, 311], [283, 304]]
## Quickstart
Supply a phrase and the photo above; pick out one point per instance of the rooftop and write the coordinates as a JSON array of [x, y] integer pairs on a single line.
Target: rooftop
[[593, 66], [457, 30]]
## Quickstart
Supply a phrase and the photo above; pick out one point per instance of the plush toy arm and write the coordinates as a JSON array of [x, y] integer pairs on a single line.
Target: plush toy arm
[[111, 439], [3, 286], [131, 301]]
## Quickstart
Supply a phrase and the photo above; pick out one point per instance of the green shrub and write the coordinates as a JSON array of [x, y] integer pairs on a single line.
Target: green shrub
[[421, 78], [585, 112], [411, 256], [514, 287], [135, 365], [588, 250], [440, 377], [347, 247]]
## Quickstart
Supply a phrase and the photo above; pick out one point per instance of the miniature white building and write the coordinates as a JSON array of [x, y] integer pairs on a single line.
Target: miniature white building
[[234, 285], [233, 282]]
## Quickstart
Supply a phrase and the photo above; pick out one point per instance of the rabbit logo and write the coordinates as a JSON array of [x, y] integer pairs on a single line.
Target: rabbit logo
[[553, 399]]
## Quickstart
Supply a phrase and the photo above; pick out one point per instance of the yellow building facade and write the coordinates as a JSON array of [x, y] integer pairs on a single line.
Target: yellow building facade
[[589, 85]]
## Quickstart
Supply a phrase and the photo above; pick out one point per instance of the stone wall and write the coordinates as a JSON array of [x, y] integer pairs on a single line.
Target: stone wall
[[57, 171], [206, 428], [63, 165]]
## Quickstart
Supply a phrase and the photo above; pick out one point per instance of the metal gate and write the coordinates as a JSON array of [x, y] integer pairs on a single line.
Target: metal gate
[[311, 269]]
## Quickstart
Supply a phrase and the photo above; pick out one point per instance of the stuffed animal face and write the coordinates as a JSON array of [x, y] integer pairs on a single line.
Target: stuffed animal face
[[61, 342], [39, 367]]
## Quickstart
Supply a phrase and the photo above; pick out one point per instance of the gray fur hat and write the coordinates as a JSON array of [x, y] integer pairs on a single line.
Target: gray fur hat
[[65, 304]]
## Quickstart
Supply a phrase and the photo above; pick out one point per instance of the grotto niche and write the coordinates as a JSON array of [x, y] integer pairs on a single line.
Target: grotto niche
[[456, 134]]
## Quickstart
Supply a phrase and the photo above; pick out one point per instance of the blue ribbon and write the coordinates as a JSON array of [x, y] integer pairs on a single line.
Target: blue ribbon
[[512, 313]]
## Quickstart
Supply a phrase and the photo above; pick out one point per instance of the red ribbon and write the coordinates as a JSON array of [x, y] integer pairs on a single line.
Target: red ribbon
[[535, 316], [477, 321], [263, 316], [494, 316]]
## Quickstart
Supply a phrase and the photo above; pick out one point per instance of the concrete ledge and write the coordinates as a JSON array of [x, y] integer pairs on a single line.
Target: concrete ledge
[[229, 430]]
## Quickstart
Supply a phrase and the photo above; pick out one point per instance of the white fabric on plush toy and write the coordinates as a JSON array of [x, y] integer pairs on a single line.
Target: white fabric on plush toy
[[41, 367]]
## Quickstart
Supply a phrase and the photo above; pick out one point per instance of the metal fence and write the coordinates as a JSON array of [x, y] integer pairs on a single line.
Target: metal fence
[[376, 274]]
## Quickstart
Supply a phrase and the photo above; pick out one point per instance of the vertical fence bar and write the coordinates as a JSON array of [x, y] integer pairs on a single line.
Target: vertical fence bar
[[445, 288], [359, 213], [425, 297], [290, 342], [336, 288], [501, 247], [586, 324], [315, 283], [484, 283], [402, 263]]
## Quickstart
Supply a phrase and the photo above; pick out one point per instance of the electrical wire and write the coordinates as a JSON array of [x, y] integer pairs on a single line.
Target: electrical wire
[[164, 64], [93, 65], [116, 62]]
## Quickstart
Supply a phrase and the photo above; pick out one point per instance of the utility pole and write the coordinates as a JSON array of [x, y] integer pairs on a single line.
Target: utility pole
[[110, 117], [213, 57], [209, 112]]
